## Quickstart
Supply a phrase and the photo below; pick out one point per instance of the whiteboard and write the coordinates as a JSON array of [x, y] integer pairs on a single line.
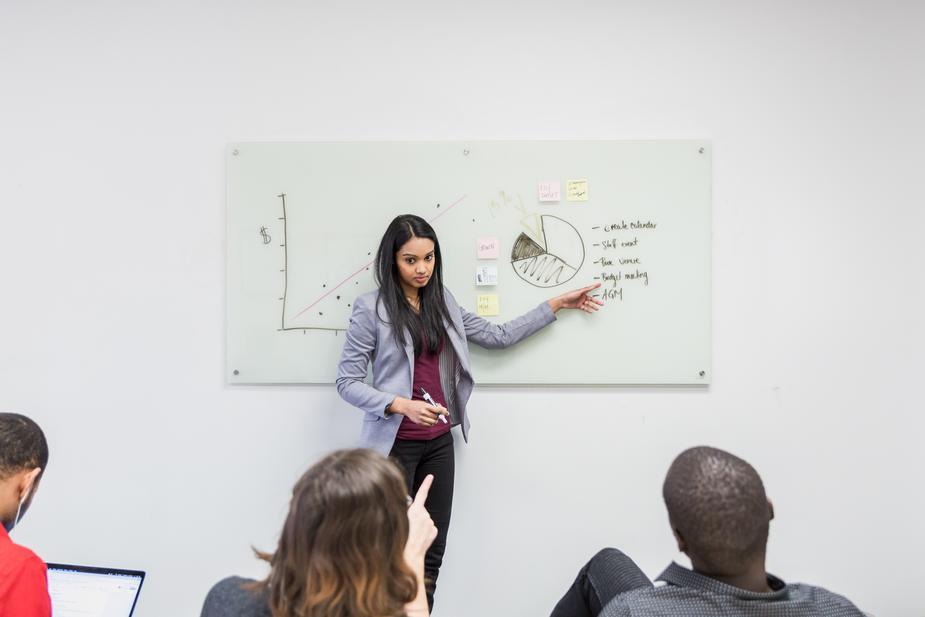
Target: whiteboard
[[305, 219]]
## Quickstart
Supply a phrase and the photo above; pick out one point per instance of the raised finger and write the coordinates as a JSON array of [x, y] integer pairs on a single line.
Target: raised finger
[[421, 496], [592, 287]]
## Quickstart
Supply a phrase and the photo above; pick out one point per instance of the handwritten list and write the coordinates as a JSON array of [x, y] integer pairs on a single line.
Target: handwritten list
[[621, 264]]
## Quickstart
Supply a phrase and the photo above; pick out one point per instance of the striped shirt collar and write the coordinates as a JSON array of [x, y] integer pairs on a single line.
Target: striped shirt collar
[[682, 577]]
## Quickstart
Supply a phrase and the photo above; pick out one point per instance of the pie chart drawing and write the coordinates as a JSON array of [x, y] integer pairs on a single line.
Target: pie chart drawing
[[554, 261]]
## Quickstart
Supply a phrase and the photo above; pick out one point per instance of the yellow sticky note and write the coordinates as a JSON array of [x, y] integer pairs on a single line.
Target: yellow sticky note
[[487, 304], [577, 190]]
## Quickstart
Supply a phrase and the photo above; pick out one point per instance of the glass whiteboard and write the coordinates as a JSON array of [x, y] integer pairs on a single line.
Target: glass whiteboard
[[518, 222]]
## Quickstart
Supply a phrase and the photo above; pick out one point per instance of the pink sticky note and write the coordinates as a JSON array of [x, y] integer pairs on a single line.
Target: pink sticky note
[[549, 191], [487, 247]]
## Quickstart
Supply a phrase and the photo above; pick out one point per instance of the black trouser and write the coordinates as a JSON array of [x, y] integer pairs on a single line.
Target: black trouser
[[608, 574], [419, 458]]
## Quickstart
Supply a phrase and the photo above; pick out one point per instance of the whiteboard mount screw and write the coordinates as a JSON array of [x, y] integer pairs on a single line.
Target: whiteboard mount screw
[[465, 153], [700, 150], [236, 372], [234, 152], [703, 373]]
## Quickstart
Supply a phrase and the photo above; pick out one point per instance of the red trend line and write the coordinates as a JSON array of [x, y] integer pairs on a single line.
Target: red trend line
[[333, 289], [450, 207], [366, 265]]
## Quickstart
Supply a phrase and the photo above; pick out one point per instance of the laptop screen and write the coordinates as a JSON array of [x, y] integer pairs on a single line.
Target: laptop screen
[[92, 592]]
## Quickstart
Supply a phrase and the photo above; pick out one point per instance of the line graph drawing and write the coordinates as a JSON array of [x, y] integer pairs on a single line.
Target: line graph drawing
[[551, 260], [286, 324]]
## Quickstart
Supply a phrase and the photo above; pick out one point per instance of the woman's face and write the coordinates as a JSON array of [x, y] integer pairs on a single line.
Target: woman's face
[[416, 262]]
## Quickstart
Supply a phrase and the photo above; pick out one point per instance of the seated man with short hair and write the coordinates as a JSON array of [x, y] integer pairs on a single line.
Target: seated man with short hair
[[23, 457], [720, 515]]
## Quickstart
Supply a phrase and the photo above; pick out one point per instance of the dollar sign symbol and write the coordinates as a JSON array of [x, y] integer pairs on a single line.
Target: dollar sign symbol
[[266, 236]]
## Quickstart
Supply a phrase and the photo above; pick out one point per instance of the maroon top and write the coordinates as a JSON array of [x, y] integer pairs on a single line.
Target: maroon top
[[427, 376]]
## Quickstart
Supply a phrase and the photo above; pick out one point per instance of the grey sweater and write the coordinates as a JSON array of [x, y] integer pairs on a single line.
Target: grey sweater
[[228, 599]]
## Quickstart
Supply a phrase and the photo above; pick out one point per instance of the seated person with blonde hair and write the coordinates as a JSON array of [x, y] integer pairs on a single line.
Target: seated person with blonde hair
[[351, 546], [720, 517]]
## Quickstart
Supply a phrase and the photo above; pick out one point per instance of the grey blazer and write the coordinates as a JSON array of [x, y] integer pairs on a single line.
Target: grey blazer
[[370, 339]]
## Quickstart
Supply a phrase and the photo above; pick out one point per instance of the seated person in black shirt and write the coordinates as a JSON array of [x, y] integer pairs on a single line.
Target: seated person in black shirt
[[719, 515]]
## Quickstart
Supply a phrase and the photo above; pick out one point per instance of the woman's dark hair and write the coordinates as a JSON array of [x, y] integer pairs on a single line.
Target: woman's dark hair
[[341, 551], [425, 326]]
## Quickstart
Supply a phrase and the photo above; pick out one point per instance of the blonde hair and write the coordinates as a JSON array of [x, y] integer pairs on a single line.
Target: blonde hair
[[341, 551]]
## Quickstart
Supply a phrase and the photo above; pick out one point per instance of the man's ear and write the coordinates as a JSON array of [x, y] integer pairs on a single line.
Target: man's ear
[[682, 545], [29, 482], [770, 510]]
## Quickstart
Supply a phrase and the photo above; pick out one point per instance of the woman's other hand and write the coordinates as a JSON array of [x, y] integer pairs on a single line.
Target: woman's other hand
[[418, 412]]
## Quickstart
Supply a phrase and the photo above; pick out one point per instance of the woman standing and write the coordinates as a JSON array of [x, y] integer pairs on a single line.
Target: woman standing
[[415, 335]]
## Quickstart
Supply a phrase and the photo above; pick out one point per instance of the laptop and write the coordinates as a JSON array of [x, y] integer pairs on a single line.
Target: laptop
[[92, 592]]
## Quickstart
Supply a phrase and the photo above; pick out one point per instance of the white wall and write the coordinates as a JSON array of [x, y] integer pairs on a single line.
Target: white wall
[[113, 118]]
